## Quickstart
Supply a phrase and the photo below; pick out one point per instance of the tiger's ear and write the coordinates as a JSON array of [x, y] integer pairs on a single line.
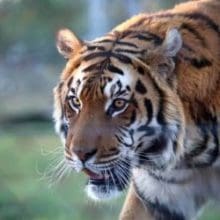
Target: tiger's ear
[[67, 43], [172, 43], [164, 64]]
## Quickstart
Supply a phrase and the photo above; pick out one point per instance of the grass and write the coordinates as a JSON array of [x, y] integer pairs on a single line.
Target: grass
[[24, 194]]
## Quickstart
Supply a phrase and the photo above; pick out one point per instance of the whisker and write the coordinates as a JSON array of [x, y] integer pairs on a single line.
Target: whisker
[[47, 152], [57, 168], [123, 175]]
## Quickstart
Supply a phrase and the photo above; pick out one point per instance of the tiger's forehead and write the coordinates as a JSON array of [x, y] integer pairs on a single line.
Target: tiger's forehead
[[109, 83]]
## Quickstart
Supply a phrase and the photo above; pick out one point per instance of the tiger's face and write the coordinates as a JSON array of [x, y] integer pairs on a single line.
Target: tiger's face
[[116, 108]]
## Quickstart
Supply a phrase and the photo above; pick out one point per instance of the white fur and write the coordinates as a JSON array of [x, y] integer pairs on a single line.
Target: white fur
[[58, 122], [126, 79], [95, 194], [78, 166]]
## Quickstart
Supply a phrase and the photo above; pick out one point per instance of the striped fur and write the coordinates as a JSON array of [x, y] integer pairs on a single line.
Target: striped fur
[[142, 103]]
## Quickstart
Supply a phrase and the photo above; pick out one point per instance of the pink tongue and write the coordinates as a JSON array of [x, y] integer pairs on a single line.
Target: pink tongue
[[92, 174]]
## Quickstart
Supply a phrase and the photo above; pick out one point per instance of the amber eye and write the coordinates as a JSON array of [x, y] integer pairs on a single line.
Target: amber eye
[[74, 102], [119, 104]]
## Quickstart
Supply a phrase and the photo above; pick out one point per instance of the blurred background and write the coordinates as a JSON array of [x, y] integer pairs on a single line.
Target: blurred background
[[29, 69]]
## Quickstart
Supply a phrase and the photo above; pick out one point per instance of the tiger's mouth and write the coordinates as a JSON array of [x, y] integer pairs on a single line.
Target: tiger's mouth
[[106, 184], [96, 177]]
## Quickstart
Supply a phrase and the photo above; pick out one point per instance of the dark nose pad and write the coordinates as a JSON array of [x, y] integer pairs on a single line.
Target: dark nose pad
[[84, 154]]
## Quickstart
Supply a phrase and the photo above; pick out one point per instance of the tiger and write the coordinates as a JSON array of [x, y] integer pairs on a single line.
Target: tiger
[[139, 109]]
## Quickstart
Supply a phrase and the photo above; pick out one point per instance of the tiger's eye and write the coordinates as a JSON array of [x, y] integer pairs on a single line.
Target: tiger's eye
[[119, 103], [74, 102]]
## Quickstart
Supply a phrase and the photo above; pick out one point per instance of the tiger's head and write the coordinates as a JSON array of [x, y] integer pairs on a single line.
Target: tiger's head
[[116, 106]]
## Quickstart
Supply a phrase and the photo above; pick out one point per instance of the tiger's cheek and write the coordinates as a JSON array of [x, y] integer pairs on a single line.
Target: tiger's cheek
[[129, 117]]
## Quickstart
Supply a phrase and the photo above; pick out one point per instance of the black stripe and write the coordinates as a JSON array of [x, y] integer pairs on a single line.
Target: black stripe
[[211, 155], [134, 101], [67, 150], [132, 118], [158, 210], [126, 44], [140, 88], [175, 145], [64, 129], [140, 70], [128, 51], [140, 36], [140, 145], [149, 108], [203, 62], [149, 37], [126, 33], [122, 58], [115, 69], [209, 22], [68, 157], [162, 211], [60, 86], [70, 81], [95, 47], [143, 35], [70, 97], [205, 120], [160, 115], [128, 88], [95, 66], [158, 144], [97, 54], [166, 180], [149, 131], [196, 34], [105, 41], [194, 16], [73, 90], [187, 47], [77, 65], [198, 62], [110, 154], [202, 145], [208, 125]]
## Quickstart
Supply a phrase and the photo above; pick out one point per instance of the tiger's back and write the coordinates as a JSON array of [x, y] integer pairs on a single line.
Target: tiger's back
[[198, 22]]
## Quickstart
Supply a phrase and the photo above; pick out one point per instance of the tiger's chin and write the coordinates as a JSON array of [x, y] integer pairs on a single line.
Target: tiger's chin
[[101, 188], [102, 192]]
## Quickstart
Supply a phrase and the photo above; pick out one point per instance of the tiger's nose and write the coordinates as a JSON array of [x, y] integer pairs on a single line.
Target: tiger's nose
[[84, 154]]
